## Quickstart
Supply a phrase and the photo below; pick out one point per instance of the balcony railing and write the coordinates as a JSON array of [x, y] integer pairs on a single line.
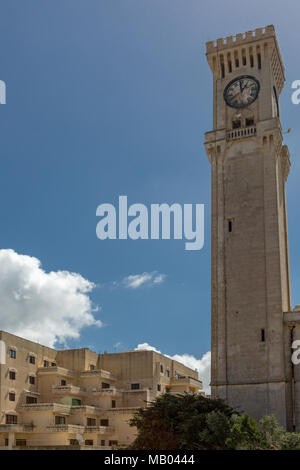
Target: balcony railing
[[45, 407], [16, 427], [106, 392], [65, 428], [57, 370], [99, 429], [68, 389], [104, 374], [241, 133], [185, 380]]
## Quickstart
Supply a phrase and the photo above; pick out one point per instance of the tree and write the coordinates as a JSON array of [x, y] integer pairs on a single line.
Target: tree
[[276, 437], [194, 422], [186, 422]]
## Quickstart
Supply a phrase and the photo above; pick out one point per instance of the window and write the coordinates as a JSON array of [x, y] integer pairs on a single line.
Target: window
[[21, 442], [229, 225], [12, 375], [89, 442], [102, 442], [32, 359], [167, 373], [73, 442], [91, 422], [244, 60], [92, 367], [158, 387], [60, 420], [53, 364], [105, 385], [46, 363], [249, 122], [30, 400], [13, 353], [63, 383], [11, 419], [259, 60], [236, 59], [76, 402], [263, 336], [113, 443], [113, 403], [12, 396], [135, 386], [236, 124], [161, 369], [31, 379], [104, 422]]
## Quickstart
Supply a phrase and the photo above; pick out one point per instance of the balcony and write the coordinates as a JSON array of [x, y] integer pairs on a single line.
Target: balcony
[[65, 428], [186, 381], [68, 390], [99, 429], [103, 374], [16, 427], [241, 133], [106, 392], [56, 407], [86, 409], [56, 370]]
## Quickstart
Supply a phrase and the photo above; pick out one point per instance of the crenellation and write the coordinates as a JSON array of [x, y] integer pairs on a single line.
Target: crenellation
[[240, 38]]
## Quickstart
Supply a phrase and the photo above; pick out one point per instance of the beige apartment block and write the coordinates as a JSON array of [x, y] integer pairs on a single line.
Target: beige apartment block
[[77, 398], [253, 324]]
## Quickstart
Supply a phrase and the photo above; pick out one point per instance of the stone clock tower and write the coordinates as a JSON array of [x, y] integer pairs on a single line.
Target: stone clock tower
[[252, 328]]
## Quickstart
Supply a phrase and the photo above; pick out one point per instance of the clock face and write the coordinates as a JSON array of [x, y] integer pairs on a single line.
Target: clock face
[[242, 91]]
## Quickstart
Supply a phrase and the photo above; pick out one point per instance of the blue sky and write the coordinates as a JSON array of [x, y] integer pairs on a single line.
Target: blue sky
[[106, 98]]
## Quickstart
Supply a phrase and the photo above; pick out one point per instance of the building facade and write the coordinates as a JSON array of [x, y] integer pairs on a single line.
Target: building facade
[[253, 325], [77, 398]]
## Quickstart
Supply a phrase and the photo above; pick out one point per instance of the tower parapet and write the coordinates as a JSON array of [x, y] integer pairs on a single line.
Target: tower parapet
[[254, 48]]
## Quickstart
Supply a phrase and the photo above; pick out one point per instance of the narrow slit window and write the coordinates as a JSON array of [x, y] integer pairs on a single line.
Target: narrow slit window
[[229, 63], [259, 60], [236, 59], [229, 225], [244, 57], [263, 335], [251, 61], [222, 66]]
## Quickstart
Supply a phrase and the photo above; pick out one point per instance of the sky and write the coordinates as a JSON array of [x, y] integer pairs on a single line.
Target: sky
[[109, 98]]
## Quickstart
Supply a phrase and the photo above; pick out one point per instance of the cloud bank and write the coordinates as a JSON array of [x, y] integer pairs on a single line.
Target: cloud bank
[[40, 306], [202, 365]]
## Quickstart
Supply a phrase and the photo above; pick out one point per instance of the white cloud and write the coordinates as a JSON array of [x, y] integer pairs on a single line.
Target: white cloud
[[41, 306], [145, 279], [202, 365]]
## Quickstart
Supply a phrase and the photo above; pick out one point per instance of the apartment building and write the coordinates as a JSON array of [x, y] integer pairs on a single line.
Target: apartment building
[[79, 399]]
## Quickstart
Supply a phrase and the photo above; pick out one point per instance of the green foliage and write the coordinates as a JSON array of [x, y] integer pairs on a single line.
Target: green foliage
[[245, 434], [276, 437], [194, 422], [186, 422]]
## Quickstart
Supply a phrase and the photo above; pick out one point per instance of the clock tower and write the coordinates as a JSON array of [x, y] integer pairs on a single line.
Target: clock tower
[[251, 341]]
